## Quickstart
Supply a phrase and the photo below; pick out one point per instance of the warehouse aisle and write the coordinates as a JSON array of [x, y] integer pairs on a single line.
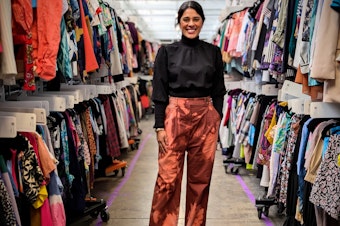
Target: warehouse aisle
[[129, 198]]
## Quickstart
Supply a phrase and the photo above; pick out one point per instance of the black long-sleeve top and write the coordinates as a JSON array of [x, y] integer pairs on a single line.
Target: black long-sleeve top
[[187, 68]]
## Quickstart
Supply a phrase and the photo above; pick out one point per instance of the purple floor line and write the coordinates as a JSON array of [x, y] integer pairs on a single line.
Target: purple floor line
[[132, 164], [251, 198]]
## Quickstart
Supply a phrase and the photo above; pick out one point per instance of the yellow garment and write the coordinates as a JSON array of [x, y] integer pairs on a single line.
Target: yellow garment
[[242, 151], [269, 133], [79, 33], [42, 196], [249, 166], [283, 104]]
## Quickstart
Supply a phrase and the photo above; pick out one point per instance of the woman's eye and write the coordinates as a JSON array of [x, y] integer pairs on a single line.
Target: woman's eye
[[187, 20]]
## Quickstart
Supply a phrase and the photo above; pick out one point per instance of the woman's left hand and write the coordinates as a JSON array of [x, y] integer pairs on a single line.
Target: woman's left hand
[[162, 140]]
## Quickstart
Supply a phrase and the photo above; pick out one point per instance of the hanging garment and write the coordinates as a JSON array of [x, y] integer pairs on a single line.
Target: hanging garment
[[7, 64], [265, 146], [7, 181], [112, 141], [6, 208], [326, 189], [332, 86], [90, 140], [287, 157], [115, 57], [123, 137], [326, 45], [46, 35], [56, 203], [31, 174], [278, 144], [90, 59], [63, 59]]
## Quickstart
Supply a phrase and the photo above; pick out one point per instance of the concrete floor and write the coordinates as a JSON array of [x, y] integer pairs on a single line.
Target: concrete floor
[[231, 200]]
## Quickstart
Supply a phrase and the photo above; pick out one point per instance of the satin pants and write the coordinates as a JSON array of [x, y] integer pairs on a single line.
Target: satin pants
[[191, 125]]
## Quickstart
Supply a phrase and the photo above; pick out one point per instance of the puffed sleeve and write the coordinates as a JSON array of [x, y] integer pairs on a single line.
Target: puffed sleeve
[[160, 93], [218, 88]]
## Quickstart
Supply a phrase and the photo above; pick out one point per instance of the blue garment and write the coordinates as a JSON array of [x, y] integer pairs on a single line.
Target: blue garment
[[9, 167], [34, 3], [301, 171], [54, 187], [251, 135], [302, 150], [63, 58], [75, 9]]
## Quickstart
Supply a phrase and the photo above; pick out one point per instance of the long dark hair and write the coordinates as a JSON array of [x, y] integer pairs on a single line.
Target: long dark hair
[[190, 4]]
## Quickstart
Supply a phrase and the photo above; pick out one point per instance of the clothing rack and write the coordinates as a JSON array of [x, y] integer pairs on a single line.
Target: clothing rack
[[30, 111]]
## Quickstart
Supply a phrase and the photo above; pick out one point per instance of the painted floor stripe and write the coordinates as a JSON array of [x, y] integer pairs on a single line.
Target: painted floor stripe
[[252, 198], [116, 191]]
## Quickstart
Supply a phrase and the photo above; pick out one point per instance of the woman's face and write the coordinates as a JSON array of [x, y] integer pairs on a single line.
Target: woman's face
[[191, 23]]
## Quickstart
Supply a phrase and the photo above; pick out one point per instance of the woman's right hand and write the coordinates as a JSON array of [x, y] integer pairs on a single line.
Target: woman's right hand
[[162, 140]]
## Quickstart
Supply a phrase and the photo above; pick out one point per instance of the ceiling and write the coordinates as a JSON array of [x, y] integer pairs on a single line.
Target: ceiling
[[156, 19]]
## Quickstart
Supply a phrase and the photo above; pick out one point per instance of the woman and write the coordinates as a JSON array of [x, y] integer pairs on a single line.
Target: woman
[[188, 91]]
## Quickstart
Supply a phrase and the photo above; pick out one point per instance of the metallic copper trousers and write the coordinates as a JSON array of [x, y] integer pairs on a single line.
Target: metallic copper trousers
[[191, 125]]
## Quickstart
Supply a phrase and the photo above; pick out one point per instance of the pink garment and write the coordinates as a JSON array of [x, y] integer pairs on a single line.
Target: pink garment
[[45, 214], [236, 29], [14, 169], [57, 210]]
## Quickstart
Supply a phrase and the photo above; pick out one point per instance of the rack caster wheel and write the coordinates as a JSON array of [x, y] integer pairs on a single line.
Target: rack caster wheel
[[226, 169], [234, 170], [259, 212], [115, 173], [94, 214], [105, 216], [266, 211], [139, 131]]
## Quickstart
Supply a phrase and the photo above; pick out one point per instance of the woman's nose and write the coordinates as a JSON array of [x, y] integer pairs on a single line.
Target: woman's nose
[[191, 22]]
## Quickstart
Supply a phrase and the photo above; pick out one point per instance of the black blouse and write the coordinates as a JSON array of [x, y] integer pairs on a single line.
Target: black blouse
[[187, 68]]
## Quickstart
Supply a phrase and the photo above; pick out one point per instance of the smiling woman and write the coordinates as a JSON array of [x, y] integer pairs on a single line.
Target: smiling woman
[[188, 92]]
